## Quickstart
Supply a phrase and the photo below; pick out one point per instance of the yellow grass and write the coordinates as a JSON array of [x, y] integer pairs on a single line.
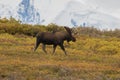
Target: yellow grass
[[87, 60]]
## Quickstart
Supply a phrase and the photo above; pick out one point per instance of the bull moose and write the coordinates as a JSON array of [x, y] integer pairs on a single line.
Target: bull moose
[[54, 38]]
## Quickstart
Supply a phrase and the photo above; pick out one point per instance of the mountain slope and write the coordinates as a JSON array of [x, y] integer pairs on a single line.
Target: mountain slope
[[6, 11], [78, 14], [27, 13], [23, 11], [75, 13]]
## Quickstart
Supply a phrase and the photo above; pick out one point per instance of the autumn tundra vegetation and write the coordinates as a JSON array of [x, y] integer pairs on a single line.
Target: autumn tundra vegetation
[[94, 56]]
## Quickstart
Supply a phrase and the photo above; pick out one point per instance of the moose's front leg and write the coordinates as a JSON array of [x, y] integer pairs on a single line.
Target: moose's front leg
[[37, 44], [62, 47], [54, 48], [43, 48]]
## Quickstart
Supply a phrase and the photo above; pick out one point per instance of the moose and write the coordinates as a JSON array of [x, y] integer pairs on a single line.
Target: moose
[[54, 38]]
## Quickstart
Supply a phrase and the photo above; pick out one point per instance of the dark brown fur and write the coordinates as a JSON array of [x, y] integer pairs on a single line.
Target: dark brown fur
[[56, 38]]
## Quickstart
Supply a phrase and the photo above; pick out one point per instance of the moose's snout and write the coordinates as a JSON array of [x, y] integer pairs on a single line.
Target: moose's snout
[[73, 39]]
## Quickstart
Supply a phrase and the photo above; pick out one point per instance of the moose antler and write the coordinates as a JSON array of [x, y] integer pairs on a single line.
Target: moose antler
[[68, 30]]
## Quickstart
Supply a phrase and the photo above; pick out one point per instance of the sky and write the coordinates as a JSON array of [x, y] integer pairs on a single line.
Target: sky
[[111, 7]]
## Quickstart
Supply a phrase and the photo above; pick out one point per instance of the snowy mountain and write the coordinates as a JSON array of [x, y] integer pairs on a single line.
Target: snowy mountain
[[6, 11], [27, 13], [24, 11], [78, 14], [73, 13]]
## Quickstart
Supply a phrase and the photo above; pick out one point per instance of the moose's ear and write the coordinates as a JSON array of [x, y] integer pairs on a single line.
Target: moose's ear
[[68, 30]]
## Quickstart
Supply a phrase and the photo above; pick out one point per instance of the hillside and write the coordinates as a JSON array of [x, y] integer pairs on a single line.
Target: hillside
[[12, 26], [87, 59], [73, 13], [94, 56]]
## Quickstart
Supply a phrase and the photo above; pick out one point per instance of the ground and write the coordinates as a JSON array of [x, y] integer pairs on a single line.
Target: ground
[[18, 61]]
